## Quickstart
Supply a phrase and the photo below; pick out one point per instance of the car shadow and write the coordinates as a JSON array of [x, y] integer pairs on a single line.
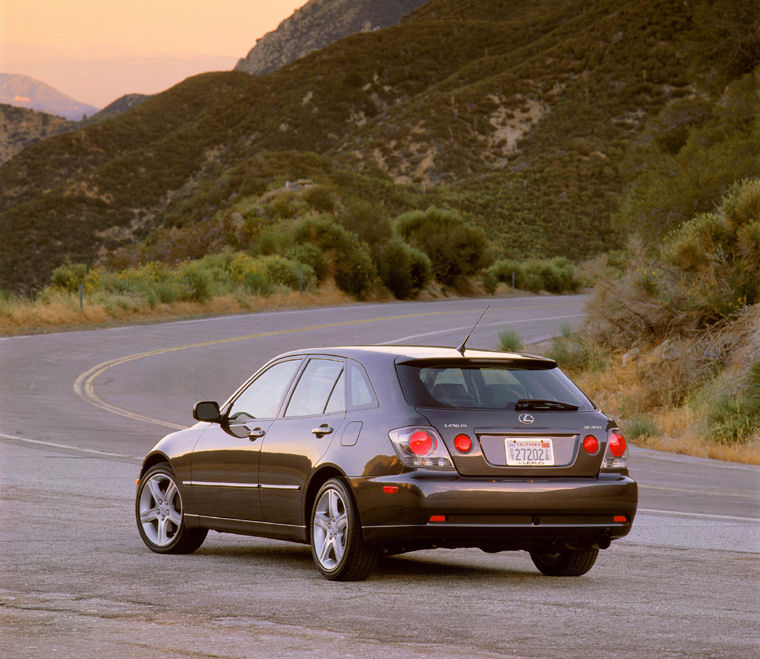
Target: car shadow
[[418, 565]]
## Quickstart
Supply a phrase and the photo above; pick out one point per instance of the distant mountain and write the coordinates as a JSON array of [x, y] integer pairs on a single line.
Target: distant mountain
[[25, 92], [318, 24], [19, 127]]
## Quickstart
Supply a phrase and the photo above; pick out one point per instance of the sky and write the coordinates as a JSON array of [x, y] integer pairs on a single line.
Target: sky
[[98, 50]]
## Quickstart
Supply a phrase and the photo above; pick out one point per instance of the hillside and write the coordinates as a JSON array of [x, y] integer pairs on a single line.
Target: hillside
[[20, 126], [121, 104], [518, 114], [318, 24], [25, 92]]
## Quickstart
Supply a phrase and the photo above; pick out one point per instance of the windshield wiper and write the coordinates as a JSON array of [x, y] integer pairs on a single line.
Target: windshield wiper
[[537, 404]]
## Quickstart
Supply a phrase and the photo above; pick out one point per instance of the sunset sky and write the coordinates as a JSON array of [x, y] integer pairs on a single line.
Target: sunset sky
[[98, 50]]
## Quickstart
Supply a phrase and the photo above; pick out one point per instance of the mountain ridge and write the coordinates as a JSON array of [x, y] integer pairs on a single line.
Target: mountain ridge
[[316, 25], [521, 124]]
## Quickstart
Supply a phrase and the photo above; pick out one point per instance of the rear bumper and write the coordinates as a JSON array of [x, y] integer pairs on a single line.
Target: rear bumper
[[491, 512]]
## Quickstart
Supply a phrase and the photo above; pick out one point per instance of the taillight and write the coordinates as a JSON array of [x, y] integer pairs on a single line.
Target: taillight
[[462, 443], [591, 444], [616, 444], [616, 455], [421, 447], [420, 443]]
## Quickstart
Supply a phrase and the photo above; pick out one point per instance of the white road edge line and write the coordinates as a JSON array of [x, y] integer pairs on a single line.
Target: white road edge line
[[732, 518], [91, 451], [465, 327]]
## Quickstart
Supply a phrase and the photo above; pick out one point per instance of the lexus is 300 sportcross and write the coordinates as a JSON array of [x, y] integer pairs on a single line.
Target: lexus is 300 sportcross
[[364, 451]]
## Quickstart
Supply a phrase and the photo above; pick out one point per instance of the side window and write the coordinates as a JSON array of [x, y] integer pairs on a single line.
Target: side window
[[262, 397], [314, 388], [362, 393], [337, 402]]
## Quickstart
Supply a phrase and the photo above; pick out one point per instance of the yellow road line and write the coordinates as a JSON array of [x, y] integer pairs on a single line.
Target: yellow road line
[[84, 386]]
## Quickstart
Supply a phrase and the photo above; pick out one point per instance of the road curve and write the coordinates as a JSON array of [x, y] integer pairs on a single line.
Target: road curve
[[79, 409]]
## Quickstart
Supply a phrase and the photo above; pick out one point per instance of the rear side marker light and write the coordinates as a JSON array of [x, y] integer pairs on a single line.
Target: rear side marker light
[[620, 518], [591, 444], [390, 489], [437, 518], [462, 443]]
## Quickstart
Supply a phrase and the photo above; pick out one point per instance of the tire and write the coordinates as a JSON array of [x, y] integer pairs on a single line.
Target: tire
[[565, 562], [160, 515], [337, 546]]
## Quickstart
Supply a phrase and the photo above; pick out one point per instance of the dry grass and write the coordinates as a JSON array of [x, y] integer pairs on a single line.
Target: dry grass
[[62, 311], [654, 394]]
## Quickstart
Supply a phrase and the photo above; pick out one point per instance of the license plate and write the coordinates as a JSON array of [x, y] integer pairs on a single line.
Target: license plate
[[529, 452]]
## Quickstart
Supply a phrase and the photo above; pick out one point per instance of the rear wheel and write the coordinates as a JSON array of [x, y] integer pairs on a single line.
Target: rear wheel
[[337, 546], [160, 516], [565, 562]]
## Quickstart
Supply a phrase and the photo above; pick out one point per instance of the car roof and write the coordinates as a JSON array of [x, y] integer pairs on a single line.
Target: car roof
[[410, 353]]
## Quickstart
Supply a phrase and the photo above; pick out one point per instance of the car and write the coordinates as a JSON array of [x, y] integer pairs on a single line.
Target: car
[[362, 451]]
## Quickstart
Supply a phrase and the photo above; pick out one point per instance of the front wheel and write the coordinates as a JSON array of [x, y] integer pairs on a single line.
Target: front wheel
[[565, 562], [160, 517], [337, 546]]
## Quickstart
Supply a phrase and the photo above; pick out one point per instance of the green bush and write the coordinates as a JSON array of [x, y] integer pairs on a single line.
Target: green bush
[[310, 255], [555, 275], [578, 352], [455, 248], [350, 261], [320, 198], [641, 426], [355, 272], [403, 269], [70, 276], [196, 283], [367, 221], [509, 341], [255, 283], [285, 272]]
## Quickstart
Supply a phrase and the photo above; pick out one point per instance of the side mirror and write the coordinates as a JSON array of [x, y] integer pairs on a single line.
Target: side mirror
[[207, 410]]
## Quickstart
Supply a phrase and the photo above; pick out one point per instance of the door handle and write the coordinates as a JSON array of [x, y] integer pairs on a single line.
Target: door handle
[[255, 434], [322, 430]]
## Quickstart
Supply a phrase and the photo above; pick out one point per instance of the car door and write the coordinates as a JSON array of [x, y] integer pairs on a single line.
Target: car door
[[311, 419], [226, 458]]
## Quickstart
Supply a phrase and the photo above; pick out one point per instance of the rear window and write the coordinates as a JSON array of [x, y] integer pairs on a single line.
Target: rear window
[[490, 387]]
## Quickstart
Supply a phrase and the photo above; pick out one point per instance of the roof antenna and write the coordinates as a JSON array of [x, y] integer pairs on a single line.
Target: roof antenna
[[460, 347]]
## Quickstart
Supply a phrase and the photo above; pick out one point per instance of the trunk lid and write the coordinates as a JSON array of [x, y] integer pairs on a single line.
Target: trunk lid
[[502, 445]]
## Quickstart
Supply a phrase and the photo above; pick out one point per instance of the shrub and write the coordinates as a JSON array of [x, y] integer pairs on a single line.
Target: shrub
[[367, 221], [455, 248], [733, 417], [349, 258], [196, 283], [641, 426], [355, 272], [255, 283], [320, 198], [576, 352], [403, 269], [310, 255], [555, 275], [509, 341], [285, 272], [70, 276]]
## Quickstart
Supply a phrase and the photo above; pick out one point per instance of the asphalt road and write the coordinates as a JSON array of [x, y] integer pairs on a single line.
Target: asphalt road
[[78, 411]]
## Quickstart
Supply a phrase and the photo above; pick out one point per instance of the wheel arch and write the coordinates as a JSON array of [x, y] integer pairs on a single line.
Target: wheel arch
[[152, 460], [317, 480]]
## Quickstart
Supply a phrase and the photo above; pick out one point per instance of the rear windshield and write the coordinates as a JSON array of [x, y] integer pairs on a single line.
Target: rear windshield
[[490, 387]]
